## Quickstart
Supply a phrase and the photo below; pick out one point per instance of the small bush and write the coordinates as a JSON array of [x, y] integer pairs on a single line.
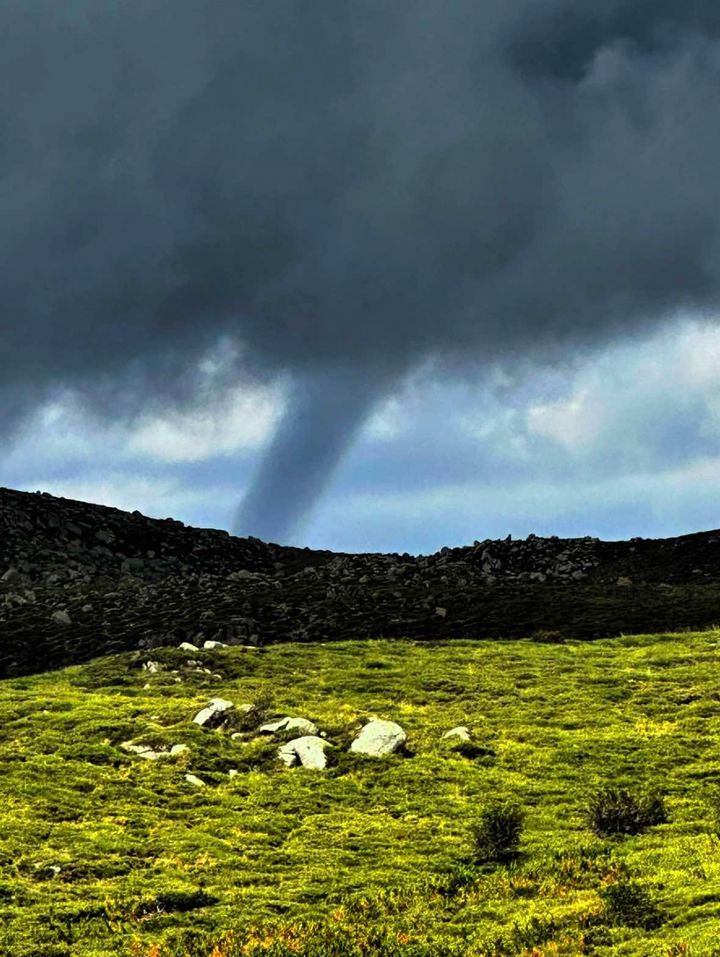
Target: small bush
[[174, 901], [629, 904], [614, 811], [496, 834], [714, 808], [548, 636]]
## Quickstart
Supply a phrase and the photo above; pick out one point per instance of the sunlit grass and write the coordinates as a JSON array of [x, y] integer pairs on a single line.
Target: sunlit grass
[[106, 853]]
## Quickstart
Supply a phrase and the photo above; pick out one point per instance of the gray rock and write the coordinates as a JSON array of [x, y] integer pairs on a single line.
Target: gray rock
[[378, 738], [301, 725], [153, 667], [461, 733], [13, 577], [61, 617], [309, 751], [216, 713]]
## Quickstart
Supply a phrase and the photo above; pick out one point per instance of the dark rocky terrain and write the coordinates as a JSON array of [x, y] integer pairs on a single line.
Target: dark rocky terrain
[[80, 580]]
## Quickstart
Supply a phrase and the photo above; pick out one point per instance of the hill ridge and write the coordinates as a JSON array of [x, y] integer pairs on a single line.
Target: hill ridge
[[78, 580]]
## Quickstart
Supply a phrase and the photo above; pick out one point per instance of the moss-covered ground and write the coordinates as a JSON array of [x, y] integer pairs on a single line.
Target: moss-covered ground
[[103, 852]]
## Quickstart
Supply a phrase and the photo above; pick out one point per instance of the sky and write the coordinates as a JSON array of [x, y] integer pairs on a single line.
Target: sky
[[623, 442], [364, 275]]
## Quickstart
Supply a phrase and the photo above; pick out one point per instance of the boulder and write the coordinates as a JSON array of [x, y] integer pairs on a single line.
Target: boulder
[[210, 645], [216, 713], [177, 749], [61, 617], [302, 725], [188, 646], [195, 781], [378, 738], [309, 751]]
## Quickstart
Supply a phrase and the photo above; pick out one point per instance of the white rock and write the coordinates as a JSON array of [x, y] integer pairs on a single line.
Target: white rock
[[309, 751], [197, 782], [178, 749], [233, 772], [378, 738], [215, 713], [153, 667], [187, 646], [142, 750], [214, 644], [460, 732], [301, 725]]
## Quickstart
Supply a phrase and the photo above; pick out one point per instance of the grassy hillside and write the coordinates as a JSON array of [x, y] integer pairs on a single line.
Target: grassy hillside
[[104, 852]]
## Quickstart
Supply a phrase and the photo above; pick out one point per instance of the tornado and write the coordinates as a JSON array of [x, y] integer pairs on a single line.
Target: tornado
[[324, 414]]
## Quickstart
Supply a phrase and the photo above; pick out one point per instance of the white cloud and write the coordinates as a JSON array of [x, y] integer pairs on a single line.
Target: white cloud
[[67, 430], [243, 420]]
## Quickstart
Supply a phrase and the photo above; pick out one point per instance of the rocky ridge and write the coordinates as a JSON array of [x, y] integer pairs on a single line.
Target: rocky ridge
[[80, 580]]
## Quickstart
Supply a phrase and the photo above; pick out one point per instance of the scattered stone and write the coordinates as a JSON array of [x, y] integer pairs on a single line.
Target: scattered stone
[[378, 738], [461, 733], [441, 612], [216, 713], [177, 749], [309, 751], [214, 644], [12, 577], [142, 750], [194, 780], [153, 667], [188, 646], [302, 725], [233, 772], [61, 617]]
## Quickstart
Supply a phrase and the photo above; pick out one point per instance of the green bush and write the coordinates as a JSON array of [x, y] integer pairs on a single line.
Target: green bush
[[549, 636], [615, 811], [714, 807], [629, 904], [496, 834]]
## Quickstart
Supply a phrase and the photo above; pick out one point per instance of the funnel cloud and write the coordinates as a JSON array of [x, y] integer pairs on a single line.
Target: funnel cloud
[[342, 188]]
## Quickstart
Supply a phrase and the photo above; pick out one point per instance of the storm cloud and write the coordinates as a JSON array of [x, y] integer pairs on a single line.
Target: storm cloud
[[344, 186]]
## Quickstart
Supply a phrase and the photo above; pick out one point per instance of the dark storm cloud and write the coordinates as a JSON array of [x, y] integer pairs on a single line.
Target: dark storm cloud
[[337, 184]]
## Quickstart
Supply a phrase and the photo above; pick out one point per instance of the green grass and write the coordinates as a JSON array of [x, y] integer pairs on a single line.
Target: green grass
[[103, 853]]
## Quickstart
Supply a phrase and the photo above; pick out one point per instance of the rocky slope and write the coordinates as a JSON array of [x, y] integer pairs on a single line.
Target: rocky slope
[[80, 580]]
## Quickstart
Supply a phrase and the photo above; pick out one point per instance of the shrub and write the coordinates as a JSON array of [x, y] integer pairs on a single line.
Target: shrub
[[714, 807], [548, 636], [496, 834], [629, 904], [614, 811]]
